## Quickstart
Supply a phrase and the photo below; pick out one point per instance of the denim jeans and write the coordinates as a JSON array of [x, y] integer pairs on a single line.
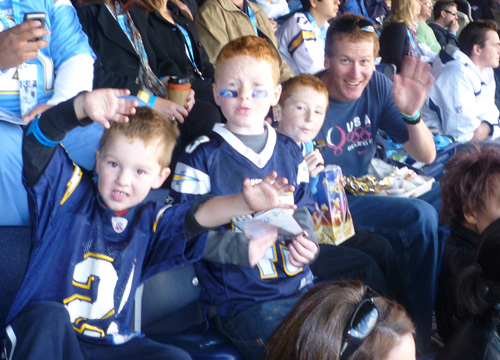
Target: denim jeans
[[80, 143], [44, 331], [250, 329], [411, 226]]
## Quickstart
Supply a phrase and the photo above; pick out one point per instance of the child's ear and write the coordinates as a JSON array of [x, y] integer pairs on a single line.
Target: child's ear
[[97, 153], [160, 179], [276, 95], [216, 94], [277, 112]]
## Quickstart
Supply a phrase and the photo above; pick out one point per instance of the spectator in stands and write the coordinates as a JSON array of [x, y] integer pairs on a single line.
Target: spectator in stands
[[274, 10], [461, 103], [220, 21], [445, 25], [469, 191], [116, 241], [378, 10], [362, 101], [130, 55], [399, 35], [354, 6], [343, 320], [480, 10], [425, 35], [477, 294], [300, 114], [60, 63], [179, 37], [246, 303], [302, 36]]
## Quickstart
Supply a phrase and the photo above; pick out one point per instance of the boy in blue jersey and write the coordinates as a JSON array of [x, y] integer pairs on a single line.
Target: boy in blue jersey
[[247, 303], [300, 114], [94, 244]]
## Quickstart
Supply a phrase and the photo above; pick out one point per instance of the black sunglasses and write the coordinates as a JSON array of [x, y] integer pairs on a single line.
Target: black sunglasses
[[361, 324], [346, 25], [450, 12]]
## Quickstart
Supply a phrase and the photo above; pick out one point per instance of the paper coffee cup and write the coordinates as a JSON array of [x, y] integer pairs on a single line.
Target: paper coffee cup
[[179, 89]]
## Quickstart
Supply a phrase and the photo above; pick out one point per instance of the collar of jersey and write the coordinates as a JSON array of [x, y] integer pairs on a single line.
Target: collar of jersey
[[260, 160]]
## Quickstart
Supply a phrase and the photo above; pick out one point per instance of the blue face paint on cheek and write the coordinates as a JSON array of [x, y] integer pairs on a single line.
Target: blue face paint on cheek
[[228, 93], [259, 93]]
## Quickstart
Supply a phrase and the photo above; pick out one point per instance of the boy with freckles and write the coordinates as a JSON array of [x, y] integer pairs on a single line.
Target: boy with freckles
[[365, 256], [93, 244], [247, 303]]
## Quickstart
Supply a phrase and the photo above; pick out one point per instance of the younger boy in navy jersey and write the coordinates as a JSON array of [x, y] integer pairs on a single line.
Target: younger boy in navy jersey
[[248, 302], [300, 114], [93, 245]]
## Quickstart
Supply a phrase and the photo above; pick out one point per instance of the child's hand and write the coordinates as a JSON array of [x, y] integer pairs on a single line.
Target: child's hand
[[315, 163], [258, 246], [104, 105], [302, 250], [266, 195]]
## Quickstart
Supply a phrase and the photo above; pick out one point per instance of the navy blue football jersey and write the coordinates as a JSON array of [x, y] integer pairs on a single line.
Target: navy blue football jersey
[[92, 260], [218, 164]]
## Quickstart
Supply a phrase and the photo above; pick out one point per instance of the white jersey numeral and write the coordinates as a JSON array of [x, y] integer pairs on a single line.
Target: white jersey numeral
[[267, 265], [81, 306]]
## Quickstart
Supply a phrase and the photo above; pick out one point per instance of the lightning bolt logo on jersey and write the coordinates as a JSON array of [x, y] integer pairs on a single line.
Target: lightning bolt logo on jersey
[[218, 164]]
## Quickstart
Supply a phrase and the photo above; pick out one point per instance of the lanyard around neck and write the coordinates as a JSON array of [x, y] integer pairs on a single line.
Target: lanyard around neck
[[252, 18], [188, 46], [416, 49]]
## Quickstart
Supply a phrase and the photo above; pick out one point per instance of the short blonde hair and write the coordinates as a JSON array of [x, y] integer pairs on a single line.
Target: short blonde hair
[[253, 46], [305, 80], [148, 126]]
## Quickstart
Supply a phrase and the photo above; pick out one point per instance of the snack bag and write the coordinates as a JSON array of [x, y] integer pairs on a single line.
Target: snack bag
[[332, 218]]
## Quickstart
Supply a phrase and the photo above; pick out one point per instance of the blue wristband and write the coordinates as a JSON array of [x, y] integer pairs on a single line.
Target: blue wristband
[[152, 101], [412, 120], [34, 129]]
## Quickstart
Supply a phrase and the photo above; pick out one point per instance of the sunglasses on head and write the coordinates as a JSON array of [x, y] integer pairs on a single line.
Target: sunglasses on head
[[346, 25], [361, 324]]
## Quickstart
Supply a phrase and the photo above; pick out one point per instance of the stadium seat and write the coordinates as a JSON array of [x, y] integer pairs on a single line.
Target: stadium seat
[[168, 310], [15, 242], [387, 69]]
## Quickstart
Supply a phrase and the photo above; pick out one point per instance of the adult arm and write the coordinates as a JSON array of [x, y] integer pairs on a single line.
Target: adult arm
[[211, 26], [71, 53], [425, 35], [410, 91], [455, 96], [376, 9]]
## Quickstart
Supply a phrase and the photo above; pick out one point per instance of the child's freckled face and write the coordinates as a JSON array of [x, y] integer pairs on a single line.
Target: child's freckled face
[[128, 170], [303, 114], [248, 80]]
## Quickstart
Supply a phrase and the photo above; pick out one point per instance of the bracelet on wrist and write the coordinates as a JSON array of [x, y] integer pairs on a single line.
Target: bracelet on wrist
[[411, 119]]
